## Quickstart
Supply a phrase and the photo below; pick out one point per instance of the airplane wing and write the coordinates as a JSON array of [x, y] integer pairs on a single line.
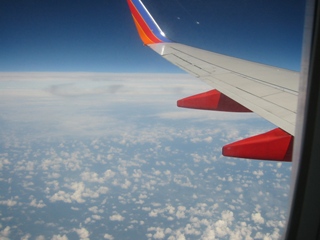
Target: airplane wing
[[240, 86]]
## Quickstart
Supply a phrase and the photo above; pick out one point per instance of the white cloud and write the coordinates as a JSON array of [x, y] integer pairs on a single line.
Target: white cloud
[[183, 181], [107, 89], [80, 192], [126, 184], [153, 213], [227, 216], [5, 232], [209, 234], [159, 234], [59, 237], [34, 203], [91, 177], [82, 233], [143, 196], [88, 220], [78, 188], [221, 227], [95, 209], [96, 217], [41, 237], [190, 230], [108, 236], [116, 217], [61, 196], [258, 173], [26, 237], [9, 202], [3, 161], [109, 174], [181, 212], [180, 236], [170, 209], [102, 190], [257, 218], [202, 116]]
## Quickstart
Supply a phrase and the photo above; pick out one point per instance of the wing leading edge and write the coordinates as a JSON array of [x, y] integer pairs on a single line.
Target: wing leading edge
[[268, 91]]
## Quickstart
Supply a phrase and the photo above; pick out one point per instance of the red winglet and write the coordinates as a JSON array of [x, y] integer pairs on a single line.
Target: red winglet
[[275, 145], [212, 100]]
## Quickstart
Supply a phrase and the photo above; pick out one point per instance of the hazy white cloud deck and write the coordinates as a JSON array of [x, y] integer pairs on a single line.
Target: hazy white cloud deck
[[110, 156]]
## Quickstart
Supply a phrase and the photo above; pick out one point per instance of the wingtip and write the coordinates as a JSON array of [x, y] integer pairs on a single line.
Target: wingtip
[[149, 31]]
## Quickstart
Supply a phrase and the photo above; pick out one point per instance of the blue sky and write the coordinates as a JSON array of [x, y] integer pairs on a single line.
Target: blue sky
[[99, 36]]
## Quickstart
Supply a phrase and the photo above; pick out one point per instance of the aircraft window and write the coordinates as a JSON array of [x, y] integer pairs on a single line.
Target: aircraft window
[[93, 145]]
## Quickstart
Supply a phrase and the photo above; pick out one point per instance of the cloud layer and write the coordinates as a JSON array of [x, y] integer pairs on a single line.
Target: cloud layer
[[104, 156]]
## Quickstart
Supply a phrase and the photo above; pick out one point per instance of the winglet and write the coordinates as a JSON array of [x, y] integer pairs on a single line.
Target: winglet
[[147, 27]]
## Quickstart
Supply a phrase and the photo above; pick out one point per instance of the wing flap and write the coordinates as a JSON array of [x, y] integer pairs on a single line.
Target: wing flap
[[275, 145]]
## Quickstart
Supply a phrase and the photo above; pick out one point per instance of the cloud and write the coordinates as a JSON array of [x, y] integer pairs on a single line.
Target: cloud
[[109, 174], [98, 156], [181, 212], [183, 181], [5, 232], [116, 217], [95, 209], [191, 230], [209, 234], [4, 161], [82, 233], [91, 177], [26, 237], [96, 217], [126, 184], [61, 196], [159, 234], [82, 89], [227, 216], [258, 173], [153, 213], [257, 218], [41, 237], [180, 236], [108, 236], [59, 237], [201, 115], [102, 190], [34, 203], [9, 202], [78, 188], [96, 107]]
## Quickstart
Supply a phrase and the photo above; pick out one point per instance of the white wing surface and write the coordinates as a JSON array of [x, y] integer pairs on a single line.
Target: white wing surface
[[268, 91]]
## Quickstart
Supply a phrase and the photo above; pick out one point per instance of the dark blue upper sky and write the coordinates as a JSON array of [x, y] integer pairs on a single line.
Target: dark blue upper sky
[[100, 35]]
